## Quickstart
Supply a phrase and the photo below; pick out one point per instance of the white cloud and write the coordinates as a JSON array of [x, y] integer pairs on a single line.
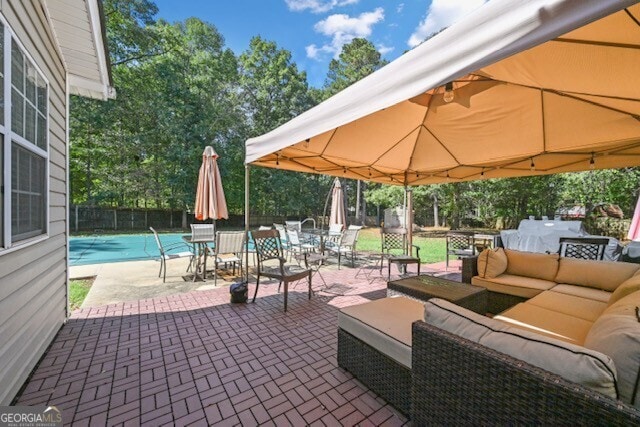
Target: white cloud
[[441, 14], [342, 29], [385, 49], [317, 6], [400, 8]]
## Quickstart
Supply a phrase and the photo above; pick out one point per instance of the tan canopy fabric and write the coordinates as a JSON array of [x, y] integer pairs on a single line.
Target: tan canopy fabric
[[538, 87]]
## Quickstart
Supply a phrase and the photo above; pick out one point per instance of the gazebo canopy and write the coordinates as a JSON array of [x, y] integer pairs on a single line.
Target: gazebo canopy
[[539, 87]]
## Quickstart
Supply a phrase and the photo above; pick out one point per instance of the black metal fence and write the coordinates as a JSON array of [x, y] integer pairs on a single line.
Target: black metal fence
[[93, 218]]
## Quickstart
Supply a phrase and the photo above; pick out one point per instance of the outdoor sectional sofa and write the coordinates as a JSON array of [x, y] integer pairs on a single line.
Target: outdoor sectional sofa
[[563, 347]]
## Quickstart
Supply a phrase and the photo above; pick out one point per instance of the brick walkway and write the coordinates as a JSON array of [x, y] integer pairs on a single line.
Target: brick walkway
[[197, 359]]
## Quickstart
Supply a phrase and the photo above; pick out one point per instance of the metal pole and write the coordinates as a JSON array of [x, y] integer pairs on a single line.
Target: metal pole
[[246, 219], [409, 217]]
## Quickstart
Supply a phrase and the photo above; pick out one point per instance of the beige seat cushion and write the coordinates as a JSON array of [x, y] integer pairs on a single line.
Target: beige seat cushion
[[547, 322], [520, 286], [582, 308], [492, 262], [384, 324], [578, 364], [583, 292], [529, 264], [616, 333], [627, 287], [606, 275]]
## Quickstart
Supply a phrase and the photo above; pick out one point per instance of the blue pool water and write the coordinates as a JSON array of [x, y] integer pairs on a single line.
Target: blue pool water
[[99, 249]]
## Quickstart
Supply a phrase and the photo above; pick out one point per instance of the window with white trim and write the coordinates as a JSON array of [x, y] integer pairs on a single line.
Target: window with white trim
[[24, 153]]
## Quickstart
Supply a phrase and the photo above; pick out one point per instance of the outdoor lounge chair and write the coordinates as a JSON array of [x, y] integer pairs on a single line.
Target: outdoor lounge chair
[[166, 254], [228, 248], [269, 249]]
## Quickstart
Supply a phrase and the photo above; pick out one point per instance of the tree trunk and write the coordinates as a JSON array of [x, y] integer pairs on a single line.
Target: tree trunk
[[436, 219]]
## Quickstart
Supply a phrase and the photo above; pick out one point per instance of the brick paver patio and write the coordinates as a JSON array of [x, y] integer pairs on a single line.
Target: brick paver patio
[[196, 359]]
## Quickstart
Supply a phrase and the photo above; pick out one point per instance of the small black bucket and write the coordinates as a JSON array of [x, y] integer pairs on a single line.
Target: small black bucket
[[239, 292]]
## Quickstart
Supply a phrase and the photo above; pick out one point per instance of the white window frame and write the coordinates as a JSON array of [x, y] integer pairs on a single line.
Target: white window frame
[[9, 138]]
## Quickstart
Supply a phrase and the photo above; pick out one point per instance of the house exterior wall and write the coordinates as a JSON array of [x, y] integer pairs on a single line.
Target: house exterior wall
[[33, 275]]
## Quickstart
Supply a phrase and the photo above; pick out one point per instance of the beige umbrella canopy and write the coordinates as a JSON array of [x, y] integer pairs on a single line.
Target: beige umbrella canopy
[[210, 201], [536, 87], [337, 214]]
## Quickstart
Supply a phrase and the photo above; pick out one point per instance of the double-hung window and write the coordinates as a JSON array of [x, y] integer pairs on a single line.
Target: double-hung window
[[24, 153]]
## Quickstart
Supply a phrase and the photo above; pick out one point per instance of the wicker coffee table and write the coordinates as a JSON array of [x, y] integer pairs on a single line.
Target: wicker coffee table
[[424, 287]]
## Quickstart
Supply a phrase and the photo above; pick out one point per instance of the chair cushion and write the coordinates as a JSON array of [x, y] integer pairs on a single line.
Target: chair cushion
[[572, 305], [582, 292], [492, 262], [384, 324], [627, 287], [606, 275], [529, 264], [616, 333], [547, 322], [520, 286], [578, 364]]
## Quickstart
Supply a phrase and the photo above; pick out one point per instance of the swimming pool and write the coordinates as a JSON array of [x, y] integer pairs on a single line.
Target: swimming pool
[[99, 249]]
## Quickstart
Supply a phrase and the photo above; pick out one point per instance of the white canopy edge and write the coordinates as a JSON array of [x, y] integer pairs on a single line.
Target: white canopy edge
[[495, 31]]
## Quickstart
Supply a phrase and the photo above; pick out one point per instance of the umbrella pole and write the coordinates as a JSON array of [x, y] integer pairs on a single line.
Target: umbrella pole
[[246, 220], [326, 202]]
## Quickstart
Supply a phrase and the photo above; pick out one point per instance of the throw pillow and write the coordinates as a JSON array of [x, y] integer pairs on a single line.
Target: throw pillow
[[492, 263], [617, 333], [627, 287]]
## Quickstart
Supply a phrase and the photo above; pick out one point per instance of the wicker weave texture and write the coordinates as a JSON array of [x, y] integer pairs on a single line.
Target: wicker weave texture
[[386, 377], [458, 382]]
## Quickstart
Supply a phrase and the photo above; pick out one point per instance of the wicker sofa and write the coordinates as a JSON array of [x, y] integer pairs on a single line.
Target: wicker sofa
[[457, 376]]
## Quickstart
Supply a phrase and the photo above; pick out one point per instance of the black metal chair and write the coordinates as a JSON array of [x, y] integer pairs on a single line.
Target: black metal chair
[[460, 244], [395, 249], [583, 247], [269, 248]]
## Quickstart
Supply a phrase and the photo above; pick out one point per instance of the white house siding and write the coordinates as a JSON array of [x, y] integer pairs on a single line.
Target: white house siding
[[33, 284]]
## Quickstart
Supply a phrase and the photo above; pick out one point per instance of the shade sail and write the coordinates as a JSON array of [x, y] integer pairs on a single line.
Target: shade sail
[[539, 87], [210, 200]]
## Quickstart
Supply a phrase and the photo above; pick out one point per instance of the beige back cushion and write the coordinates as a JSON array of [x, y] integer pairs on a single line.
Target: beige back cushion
[[575, 363], [627, 287], [492, 263], [529, 264], [617, 334], [606, 275]]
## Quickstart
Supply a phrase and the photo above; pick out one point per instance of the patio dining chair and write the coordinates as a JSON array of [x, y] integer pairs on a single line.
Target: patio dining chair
[[297, 246], [346, 245], [168, 252], [459, 244], [583, 247], [229, 247], [395, 249], [268, 250]]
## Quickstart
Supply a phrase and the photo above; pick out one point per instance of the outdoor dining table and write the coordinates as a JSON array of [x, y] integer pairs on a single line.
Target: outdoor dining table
[[321, 234], [200, 246]]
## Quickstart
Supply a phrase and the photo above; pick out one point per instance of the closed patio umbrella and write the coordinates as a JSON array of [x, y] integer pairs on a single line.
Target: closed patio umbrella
[[337, 215], [210, 201]]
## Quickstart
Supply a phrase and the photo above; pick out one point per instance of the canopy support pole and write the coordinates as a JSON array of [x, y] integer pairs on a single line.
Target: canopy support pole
[[409, 217], [246, 220]]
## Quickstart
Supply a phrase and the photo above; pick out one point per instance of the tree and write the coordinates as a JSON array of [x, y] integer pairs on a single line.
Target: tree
[[273, 91]]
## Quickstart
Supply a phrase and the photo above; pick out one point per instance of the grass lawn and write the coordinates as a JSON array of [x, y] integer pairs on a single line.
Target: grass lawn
[[78, 290], [432, 249]]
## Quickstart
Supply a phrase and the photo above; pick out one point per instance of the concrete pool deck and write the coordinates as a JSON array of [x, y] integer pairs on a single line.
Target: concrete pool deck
[[138, 280]]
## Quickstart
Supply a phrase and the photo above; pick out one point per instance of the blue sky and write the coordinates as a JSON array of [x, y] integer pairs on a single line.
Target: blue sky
[[314, 31]]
